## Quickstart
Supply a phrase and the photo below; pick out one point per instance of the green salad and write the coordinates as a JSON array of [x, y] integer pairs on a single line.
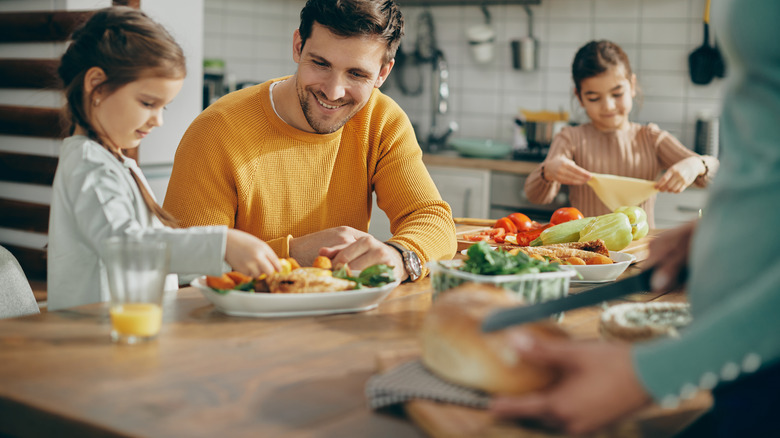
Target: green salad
[[484, 260]]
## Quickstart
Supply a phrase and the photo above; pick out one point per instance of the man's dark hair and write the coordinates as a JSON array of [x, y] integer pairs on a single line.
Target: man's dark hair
[[349, 18]]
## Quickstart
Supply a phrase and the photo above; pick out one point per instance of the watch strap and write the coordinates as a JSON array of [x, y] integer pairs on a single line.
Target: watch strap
[[411, 260]]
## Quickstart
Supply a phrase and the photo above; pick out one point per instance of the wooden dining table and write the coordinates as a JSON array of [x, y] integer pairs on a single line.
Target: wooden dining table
[[209, 374]]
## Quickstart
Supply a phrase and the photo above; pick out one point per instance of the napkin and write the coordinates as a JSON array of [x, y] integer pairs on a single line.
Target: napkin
[[412, 380], [617, 191]]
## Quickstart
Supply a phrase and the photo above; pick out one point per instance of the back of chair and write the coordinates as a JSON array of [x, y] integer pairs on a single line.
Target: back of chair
[[16, 296]]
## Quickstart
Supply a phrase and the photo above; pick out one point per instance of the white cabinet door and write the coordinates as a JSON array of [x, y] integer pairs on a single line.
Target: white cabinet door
[[674, 209], [466, 190]]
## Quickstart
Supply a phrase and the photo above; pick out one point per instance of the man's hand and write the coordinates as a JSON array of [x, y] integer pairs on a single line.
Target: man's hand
[[597, 385], [669, 255], [681, 175], [565, 171], [346, 245]]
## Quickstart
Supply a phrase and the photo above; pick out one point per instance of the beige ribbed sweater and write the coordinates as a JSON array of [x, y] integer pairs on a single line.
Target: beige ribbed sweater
[[641, 151], [240, 165]]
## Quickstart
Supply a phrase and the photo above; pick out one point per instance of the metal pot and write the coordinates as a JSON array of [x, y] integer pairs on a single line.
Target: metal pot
[[540, 134]]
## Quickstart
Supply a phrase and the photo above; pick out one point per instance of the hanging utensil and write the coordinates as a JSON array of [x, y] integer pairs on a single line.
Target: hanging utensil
[[718, 63], [701, 62]]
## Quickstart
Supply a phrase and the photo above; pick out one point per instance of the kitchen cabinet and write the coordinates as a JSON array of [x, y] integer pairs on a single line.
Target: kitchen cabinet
[[466, 190], [674, 209]]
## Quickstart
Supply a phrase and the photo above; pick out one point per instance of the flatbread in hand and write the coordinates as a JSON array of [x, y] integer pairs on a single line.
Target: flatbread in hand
[[617, 191]]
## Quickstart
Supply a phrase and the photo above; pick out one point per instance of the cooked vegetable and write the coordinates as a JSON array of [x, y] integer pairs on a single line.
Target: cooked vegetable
[[322, 262], [563, 233], [565, 214], [613, 228], [638, 219]]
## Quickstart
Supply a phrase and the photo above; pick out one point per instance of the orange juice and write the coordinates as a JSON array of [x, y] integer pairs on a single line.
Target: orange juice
[[136, 319]]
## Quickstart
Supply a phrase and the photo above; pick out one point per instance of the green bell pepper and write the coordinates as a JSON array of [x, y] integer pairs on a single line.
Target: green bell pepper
[[638, 219], [613, 228]]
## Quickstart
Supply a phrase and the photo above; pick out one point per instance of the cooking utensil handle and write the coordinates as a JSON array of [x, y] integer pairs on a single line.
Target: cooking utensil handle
[[474, 221]]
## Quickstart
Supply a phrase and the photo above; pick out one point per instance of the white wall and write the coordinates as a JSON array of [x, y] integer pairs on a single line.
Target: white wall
[[254, 37]]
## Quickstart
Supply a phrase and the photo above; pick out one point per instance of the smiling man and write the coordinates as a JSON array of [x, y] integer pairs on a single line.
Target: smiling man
[[296, 160]]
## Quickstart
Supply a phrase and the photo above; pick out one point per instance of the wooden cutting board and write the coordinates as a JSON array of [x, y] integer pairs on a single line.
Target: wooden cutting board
[[441, 420]]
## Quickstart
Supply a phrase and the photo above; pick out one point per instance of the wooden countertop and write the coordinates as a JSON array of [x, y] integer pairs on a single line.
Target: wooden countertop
[[455, 160], [210, 374]]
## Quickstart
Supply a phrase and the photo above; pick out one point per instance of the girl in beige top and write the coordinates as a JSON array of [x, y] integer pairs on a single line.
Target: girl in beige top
[[611, 144]]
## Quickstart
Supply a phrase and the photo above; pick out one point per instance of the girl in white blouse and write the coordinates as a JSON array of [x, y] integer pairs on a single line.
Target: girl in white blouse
[[119, 72]]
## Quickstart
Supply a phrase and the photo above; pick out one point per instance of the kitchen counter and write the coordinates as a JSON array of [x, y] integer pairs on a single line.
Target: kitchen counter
[[453, 159]]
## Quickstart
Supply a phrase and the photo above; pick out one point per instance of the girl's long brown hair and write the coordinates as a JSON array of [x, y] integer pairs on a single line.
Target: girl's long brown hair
[[127, 45]]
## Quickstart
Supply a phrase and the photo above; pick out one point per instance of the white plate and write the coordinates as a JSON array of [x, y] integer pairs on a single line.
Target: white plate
[[267, 305], [602, 273]]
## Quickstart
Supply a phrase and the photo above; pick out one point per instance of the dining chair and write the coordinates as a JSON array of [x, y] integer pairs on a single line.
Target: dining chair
[[16, 296]]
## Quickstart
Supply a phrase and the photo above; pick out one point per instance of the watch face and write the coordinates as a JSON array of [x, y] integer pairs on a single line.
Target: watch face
[[413, 265]]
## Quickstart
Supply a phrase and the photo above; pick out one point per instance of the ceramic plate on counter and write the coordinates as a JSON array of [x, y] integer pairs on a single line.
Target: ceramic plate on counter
[[268, 305], [602, 273]]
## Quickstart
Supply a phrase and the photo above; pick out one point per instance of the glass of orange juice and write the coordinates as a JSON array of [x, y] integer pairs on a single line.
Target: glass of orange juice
[[136, 268]]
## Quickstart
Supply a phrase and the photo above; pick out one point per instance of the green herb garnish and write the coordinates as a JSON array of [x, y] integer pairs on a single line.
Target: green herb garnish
[[372, 276]]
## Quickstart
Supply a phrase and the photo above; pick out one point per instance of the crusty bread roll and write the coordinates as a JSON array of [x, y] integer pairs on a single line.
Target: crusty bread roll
[[455, 349]]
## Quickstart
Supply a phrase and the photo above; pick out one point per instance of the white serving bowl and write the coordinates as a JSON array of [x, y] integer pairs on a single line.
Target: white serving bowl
[[602, 273]]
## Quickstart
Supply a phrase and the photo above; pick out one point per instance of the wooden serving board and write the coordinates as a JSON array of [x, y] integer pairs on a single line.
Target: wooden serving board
[[441, 420], [639, 248]]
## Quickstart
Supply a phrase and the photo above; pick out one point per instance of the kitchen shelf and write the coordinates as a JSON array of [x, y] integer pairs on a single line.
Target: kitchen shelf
[[466, 2]]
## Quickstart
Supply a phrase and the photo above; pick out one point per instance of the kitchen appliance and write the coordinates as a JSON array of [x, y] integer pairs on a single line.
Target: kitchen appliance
[[213, 80], [707, 140]]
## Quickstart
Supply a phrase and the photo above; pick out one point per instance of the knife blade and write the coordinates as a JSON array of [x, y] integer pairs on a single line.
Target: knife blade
[[504, 318]]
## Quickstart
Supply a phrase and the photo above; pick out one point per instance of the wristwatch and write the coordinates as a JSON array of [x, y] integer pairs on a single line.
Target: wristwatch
[[411, 261]]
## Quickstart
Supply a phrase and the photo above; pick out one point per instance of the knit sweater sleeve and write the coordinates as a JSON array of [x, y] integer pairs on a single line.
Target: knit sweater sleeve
[[541, 190], [419, 219], [201, 190], [670, 151]]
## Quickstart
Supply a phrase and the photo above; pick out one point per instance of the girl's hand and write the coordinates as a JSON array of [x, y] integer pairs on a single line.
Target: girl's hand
[[597, 385], [682, 174], [565, 171], [249, 255]]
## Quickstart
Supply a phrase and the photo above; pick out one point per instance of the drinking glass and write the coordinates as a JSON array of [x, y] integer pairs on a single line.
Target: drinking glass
[[136, 269]]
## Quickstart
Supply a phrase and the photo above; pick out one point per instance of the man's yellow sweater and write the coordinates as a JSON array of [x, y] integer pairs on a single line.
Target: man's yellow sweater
[[240, 165]]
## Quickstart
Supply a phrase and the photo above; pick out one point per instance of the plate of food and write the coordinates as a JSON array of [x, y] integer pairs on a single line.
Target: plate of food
[[298, 292], [602, 273]]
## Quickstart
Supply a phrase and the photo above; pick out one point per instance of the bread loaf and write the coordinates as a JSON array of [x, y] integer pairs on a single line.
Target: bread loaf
[[455, 349]]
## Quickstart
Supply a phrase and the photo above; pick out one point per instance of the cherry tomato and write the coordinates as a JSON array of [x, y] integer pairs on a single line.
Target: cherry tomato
[[506, 224], [521, 221], [476, 237], [525, 238], [494, 232], [565, 214]]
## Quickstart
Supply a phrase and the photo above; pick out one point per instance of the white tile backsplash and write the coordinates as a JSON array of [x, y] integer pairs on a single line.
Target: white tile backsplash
[[657, 35]]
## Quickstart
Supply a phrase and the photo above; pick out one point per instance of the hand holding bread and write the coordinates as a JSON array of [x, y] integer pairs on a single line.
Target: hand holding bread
[[455, 349]]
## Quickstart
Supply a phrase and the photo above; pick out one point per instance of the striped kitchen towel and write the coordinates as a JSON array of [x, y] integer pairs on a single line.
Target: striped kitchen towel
[[412, 380]]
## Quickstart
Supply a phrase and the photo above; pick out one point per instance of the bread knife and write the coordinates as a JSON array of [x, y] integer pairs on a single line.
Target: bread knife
[[504, 318]]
